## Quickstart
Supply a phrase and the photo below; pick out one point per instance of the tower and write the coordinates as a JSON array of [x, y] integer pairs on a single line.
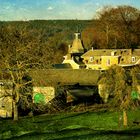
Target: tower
[[77, 46]]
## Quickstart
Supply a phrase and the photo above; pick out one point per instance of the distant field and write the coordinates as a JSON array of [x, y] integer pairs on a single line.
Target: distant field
[[71, 126]]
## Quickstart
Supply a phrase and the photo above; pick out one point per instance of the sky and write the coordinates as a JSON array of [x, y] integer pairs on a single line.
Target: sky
[[56, 9]]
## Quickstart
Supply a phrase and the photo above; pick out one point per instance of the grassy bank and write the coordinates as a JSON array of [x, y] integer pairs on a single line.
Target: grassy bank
[[71, 126]]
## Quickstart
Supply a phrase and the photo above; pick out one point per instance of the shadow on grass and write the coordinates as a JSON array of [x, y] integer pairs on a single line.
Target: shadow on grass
[[81, 134], [76, 114], [62, 118]]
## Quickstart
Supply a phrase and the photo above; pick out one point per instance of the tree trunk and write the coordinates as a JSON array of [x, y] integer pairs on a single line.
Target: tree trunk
[[15, 111], [125, 122], [107, 35], [120, 120]]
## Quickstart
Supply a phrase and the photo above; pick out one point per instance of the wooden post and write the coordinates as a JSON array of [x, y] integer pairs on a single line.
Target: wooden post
[[125, 122], [15, 111]]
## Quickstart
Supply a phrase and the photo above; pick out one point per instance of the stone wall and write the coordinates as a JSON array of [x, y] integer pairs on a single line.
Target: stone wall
[[48, 93], [6, 107], [102, 92], [5, 102]]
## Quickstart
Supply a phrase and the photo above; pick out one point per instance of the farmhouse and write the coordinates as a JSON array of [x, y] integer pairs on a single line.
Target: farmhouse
[[99, 59]]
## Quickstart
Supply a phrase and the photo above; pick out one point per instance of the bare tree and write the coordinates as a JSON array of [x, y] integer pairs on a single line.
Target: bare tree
[[118, 27], [21, 50]]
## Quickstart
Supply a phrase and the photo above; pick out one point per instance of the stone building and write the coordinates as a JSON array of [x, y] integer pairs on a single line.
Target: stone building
[[73, 57], [99, 59], [102, 59]]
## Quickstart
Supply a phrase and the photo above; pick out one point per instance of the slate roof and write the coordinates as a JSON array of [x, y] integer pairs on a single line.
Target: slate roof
[[97, 53], [107, 52], [136, 52], [45, 77], [77, 46]]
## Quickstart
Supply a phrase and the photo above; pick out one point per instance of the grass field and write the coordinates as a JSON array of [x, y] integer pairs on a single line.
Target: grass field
[[71, 126]]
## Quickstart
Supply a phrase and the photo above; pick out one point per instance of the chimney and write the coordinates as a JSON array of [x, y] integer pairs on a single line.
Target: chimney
[[69, 46]]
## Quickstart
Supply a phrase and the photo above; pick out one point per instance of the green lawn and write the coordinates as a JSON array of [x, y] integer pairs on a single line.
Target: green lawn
[[71, 126]]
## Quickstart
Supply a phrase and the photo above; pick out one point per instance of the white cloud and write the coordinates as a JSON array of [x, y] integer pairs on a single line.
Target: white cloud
[[7, 7], [50, 8], [97, 4], [66, 10]]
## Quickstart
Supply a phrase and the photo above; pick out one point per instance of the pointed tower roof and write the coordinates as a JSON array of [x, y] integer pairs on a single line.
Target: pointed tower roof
[[77, 46]]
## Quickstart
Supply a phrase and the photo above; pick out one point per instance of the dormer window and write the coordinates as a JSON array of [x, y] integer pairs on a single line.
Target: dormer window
[[133, 59], [91, 59], [113, 53]]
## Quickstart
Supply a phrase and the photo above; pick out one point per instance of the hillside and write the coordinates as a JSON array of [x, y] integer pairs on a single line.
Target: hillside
[[71, 126], [53, 34]]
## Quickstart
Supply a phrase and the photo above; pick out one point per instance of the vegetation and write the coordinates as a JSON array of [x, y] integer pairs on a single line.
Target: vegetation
[[115, 28], [55, 34], [16, 59], [82, 125], [118, 86], [30, 45]]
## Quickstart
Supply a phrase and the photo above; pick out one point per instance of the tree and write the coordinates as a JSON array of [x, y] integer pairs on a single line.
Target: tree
[[116, 84], [118, 27], [135, 71], [92, 38], [20, 51], [119, 22], [59, 47]]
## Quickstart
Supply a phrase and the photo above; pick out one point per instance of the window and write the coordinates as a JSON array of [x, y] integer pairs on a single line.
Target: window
[[91, 59], [133, 59], [86, 61], [108, 62], [97, 61]]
